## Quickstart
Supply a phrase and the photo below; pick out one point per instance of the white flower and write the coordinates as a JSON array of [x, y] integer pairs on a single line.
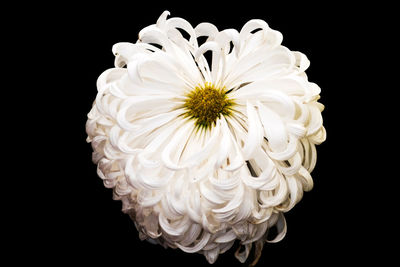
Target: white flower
[[203, 154]]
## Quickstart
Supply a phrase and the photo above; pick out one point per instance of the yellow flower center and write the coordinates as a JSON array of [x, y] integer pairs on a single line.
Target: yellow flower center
[[205, 104]]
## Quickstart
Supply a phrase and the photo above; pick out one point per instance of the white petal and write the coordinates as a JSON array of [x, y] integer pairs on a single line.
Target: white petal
[[226, 237], [225, 184], [295, 192], [276, 101], [274, 128], [207, 149], [150, 183], [261, 229], [162, 19], [148, 201], [133, 70], [160, 69], [206, 29], [224, 37], [225, 145], [210, 195], [154, 35], [296, 129], [282, 228], [288, 152], [136, 104], [260, 63], [216, 57], [250, 26], [193, 205], [203, 241], [301, 61], [295, 164], [265, 177], [242, 256], [236, 157], [280, 195], [307, 180], [169, 228], [191, 235], [315, 120], [212, 255], [122, 52], [234, 203], [184, 25], [255, 136], [176, 144]]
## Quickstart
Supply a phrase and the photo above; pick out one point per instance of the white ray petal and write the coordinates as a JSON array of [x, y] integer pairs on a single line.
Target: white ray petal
[[274, 128], [203, 241], [206, 29], [163, 19], [170, 154], [254, 136]]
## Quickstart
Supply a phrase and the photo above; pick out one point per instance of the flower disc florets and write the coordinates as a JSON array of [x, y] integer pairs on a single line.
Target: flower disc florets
[[205, 104]]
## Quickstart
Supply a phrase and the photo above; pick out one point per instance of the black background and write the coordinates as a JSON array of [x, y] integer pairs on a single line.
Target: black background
[[77, 222]]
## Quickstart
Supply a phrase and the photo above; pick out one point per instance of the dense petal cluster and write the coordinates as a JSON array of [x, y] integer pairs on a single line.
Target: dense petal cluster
[[201, 189]]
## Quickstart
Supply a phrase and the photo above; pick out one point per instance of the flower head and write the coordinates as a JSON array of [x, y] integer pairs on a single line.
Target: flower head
[[205, 152]]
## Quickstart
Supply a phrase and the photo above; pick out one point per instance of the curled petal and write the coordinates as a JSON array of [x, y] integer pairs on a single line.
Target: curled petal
[[302, 61], [163, 19], [274, 128], [234, 203], [206, 29], [200, 244], [252, 25], [255, 135], [242, 256], [282, 229]]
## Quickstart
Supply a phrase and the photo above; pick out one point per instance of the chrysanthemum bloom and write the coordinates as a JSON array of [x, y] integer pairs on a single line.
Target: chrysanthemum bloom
[[205, 152]]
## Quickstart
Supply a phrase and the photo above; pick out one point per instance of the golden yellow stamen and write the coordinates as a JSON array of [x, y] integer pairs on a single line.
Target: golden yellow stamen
[[205, 104]]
